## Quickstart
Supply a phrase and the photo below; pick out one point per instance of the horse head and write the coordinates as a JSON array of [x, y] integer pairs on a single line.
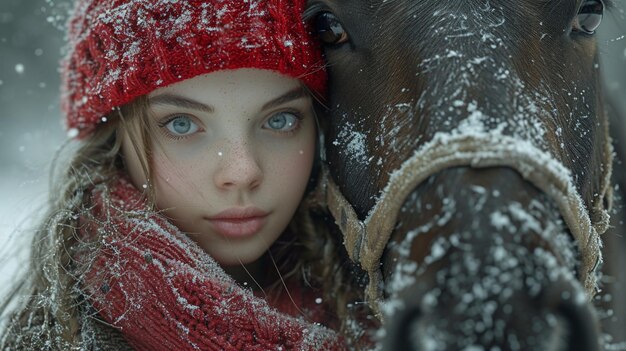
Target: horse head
[[468, 166]]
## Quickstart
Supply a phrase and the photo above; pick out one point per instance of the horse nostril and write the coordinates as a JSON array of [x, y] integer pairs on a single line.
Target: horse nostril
[[577, 324], [581, 325], [401, 331]]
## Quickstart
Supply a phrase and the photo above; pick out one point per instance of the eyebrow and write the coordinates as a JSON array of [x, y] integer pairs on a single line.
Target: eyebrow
[[293, 94], [181, 101]]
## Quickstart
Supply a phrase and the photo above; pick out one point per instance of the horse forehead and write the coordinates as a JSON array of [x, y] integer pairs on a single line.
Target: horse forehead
[[416, 11], [430, 6]]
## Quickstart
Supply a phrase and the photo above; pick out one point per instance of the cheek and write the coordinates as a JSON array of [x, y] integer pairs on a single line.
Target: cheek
[[174, 181], [132, 164], [293, 169], [172, 165], [166, 171], [300, 164]]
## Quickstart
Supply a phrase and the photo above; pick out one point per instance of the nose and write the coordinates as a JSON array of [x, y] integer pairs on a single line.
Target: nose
[[238, 168], [578, 317], [576, 325]]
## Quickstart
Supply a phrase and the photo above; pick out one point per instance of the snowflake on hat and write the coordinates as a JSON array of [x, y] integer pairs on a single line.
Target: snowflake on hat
[[119, 50]]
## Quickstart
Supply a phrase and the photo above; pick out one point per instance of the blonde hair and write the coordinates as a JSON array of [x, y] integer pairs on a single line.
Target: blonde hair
[[54, 310]]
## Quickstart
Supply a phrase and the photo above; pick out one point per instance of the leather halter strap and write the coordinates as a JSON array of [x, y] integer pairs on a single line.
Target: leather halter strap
[[365, 240]]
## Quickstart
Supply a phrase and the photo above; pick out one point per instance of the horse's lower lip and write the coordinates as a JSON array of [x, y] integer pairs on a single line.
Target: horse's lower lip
[[238, 227]]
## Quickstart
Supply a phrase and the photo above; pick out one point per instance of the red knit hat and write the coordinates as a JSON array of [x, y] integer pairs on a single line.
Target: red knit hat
[[119, 50]]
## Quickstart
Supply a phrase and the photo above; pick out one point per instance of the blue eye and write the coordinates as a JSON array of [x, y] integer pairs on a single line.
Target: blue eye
[[181, 126], [282, 122]]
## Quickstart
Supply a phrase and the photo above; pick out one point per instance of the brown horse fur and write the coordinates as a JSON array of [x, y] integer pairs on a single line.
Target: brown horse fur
[[414, 71], [612, 300]]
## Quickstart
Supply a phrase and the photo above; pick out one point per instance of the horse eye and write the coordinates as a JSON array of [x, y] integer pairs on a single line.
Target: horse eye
[[589, 16], [329, 29]]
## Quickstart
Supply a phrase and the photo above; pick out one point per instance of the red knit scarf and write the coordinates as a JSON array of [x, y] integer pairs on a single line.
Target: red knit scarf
[[165, 293]]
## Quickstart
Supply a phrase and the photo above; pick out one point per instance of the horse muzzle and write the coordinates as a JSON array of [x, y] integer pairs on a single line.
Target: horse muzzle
[[365, 240]]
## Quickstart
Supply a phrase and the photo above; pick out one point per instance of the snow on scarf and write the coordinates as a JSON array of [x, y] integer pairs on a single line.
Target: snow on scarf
[[164, 293]]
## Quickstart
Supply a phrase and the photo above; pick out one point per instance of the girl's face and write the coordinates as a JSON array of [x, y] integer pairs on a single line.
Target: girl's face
[[232, 155]]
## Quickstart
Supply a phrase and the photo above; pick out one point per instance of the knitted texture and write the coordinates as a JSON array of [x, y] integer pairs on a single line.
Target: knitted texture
[[119, 50], [165, 293]]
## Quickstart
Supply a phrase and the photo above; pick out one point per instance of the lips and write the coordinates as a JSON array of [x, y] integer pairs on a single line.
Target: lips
[[238, 222]]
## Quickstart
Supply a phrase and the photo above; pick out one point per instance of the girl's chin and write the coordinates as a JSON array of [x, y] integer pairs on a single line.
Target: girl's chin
[[233, 259]]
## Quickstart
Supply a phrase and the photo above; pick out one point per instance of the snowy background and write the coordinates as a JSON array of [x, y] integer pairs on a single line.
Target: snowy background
[[30, 124], [30, 127]]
